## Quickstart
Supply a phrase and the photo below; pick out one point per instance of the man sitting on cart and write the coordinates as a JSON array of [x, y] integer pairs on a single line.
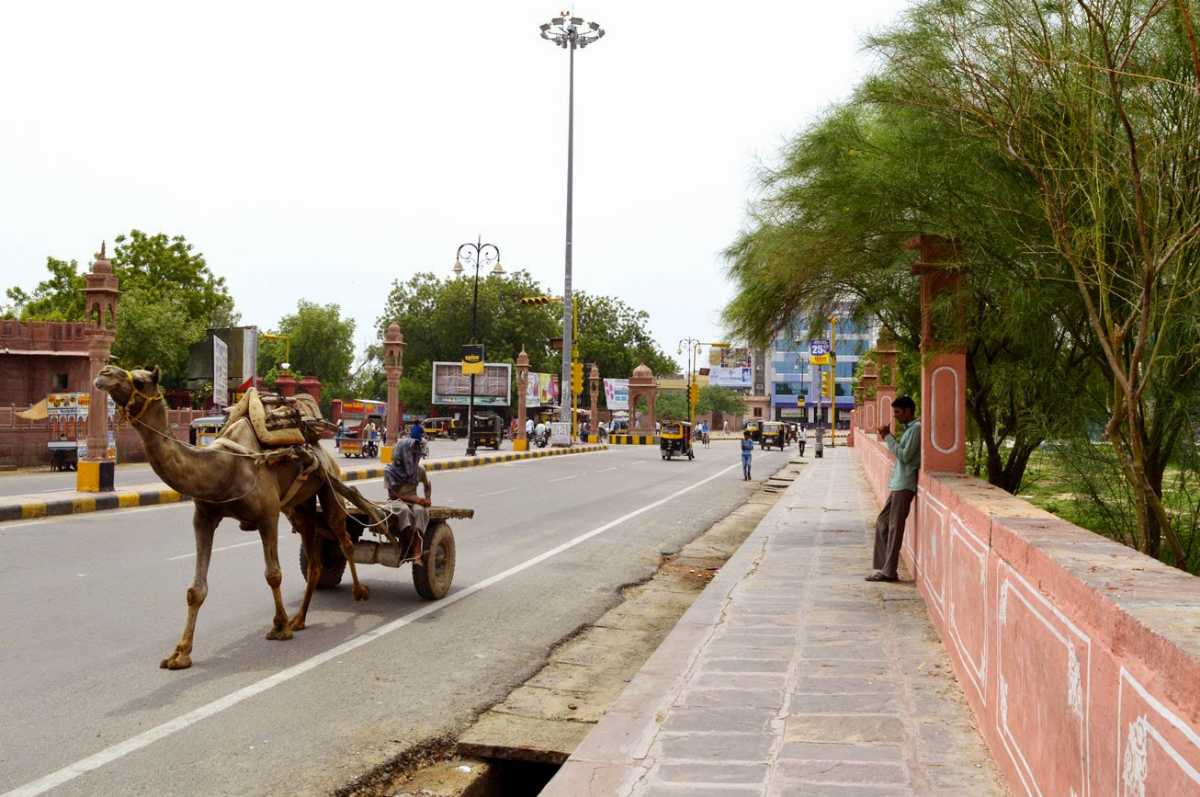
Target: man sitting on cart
[[405, 472]]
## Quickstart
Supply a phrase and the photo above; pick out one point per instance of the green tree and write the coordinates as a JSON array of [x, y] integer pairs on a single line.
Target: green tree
[[59, 298], [670, 405], [1097, 106], [720, 399], [169, 299], [322, 345], [616, 338]]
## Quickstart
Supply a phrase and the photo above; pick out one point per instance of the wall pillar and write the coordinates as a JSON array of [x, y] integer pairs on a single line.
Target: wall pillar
[[97, 471], [393, 366], [943, 357], [885, 390], [285, 383], [868, 380], [310, 385], [521, 442], [594, 390]]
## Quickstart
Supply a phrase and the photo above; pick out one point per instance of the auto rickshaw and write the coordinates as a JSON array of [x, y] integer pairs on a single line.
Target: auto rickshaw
[[205, 430], [773, 434], [676, 438], [754, 427], [437, 427], [488, 429]]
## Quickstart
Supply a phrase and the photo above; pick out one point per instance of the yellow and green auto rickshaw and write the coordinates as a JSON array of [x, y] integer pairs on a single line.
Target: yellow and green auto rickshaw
[[488, 429], [754, 427], [773, 434], [675, 437]]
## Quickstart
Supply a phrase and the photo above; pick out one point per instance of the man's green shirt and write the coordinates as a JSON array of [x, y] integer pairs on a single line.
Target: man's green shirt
[[908, 457]]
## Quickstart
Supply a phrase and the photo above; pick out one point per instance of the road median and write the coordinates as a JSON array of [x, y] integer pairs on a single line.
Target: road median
[[26, 507]]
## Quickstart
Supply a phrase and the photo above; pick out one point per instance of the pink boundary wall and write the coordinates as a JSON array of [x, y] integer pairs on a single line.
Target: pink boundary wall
[[1079, 657]]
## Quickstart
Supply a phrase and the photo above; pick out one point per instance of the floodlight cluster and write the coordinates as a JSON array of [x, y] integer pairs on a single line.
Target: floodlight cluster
[[571, 32]]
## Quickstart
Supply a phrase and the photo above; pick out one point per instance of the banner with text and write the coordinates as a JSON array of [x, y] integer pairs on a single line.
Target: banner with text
[[735, 378], [616, 394]]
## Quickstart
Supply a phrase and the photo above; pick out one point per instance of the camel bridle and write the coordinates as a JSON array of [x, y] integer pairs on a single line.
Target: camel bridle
[[147, 400]]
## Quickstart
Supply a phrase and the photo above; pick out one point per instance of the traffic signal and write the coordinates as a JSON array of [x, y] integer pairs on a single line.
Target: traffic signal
[[827, 383], [540, 299], [693, 395], [577, 378]]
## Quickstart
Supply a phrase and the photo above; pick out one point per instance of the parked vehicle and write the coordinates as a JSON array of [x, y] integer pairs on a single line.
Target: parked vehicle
[[205, 430], [488, 429]]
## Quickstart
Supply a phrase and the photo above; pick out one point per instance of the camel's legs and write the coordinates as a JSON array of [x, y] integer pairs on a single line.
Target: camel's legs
[[335, 519], [268, 530], [203, 525], [304, 522]]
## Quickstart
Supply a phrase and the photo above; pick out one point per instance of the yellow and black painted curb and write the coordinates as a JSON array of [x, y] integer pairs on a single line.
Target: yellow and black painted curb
[[632, 440], [73, 506], [124, 499]]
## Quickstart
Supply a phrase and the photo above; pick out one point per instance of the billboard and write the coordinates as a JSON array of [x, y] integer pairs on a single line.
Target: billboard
[[735, 378], [541, 390], [452, 387], [616, 394]]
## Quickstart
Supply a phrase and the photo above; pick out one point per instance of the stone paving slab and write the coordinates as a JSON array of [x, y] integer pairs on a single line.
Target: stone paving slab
[[792, 676], [60, 502]]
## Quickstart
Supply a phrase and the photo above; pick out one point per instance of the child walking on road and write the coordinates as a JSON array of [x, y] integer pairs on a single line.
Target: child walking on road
[[747, 449]]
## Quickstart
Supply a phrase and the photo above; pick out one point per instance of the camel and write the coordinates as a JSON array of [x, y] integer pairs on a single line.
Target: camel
[[235, 478]]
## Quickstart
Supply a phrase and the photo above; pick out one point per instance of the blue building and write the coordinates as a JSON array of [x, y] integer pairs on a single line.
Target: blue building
[[795, 383]]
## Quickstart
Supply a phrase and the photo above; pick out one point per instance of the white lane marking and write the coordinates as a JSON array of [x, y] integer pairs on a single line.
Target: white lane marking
[[496, 492], [148, 737], [18, 525], [562, 479], [214, 550], [605, 470]]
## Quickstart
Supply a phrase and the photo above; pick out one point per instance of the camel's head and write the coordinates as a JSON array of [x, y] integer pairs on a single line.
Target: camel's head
[[124, 385]]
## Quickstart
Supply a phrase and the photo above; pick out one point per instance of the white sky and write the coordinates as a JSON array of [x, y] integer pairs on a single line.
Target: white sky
[[320, 150]]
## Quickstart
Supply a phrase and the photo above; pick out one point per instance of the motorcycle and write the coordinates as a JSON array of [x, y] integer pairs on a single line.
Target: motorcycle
[[541, 439], [370, 449]]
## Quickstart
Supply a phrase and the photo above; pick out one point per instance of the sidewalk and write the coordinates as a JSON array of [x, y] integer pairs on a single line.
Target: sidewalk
[[149, 492], [790, 675]]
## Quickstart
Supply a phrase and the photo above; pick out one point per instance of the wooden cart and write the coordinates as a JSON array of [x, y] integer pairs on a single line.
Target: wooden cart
[[432, 559]]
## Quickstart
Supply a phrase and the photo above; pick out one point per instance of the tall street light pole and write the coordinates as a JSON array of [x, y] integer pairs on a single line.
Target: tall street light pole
[[569, 33], [474, 255]]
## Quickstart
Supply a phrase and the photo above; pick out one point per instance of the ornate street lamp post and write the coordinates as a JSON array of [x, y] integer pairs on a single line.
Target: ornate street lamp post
[[569, 33], [473, 255]]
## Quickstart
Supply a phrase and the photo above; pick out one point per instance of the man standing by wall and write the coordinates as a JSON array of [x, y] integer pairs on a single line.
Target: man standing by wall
[[889, 526]]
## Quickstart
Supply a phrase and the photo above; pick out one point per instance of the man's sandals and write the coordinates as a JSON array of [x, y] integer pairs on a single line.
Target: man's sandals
[[881, 577]]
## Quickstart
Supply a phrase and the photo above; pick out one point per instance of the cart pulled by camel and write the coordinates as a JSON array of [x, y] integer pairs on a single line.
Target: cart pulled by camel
[[266, 461]]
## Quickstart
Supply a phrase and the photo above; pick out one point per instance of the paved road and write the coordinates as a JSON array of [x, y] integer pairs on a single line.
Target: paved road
[[136, 473], [89, 604]]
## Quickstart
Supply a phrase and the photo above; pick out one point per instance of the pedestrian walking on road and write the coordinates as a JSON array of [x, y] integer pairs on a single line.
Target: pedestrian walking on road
[[747, 450], [889, 526]]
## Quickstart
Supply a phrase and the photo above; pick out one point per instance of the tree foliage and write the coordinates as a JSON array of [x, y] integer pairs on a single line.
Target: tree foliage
[[169, 299], [321, 344], [720, 399], [434, 314], [1056, 144]]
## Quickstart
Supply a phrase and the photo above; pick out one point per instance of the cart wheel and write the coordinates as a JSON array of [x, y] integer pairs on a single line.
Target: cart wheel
[[433, 580], [333, 564]]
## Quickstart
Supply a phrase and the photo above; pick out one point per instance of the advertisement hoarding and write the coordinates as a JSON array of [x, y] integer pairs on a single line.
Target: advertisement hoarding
[[735, 378], [616, 394], [451, 387], [541, 390]]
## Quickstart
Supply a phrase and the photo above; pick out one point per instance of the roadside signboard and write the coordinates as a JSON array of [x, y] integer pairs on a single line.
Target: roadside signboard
[[452, 387], [736, 378], [818, 351], [541, 390], [616, 394], [472, 359], [220, 372], [792, 412]]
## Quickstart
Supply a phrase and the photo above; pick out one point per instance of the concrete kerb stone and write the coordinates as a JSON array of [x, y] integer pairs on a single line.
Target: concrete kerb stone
[[27, 509]]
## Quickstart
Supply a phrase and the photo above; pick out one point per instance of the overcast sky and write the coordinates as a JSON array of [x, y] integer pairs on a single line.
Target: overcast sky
[[320, 150]]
